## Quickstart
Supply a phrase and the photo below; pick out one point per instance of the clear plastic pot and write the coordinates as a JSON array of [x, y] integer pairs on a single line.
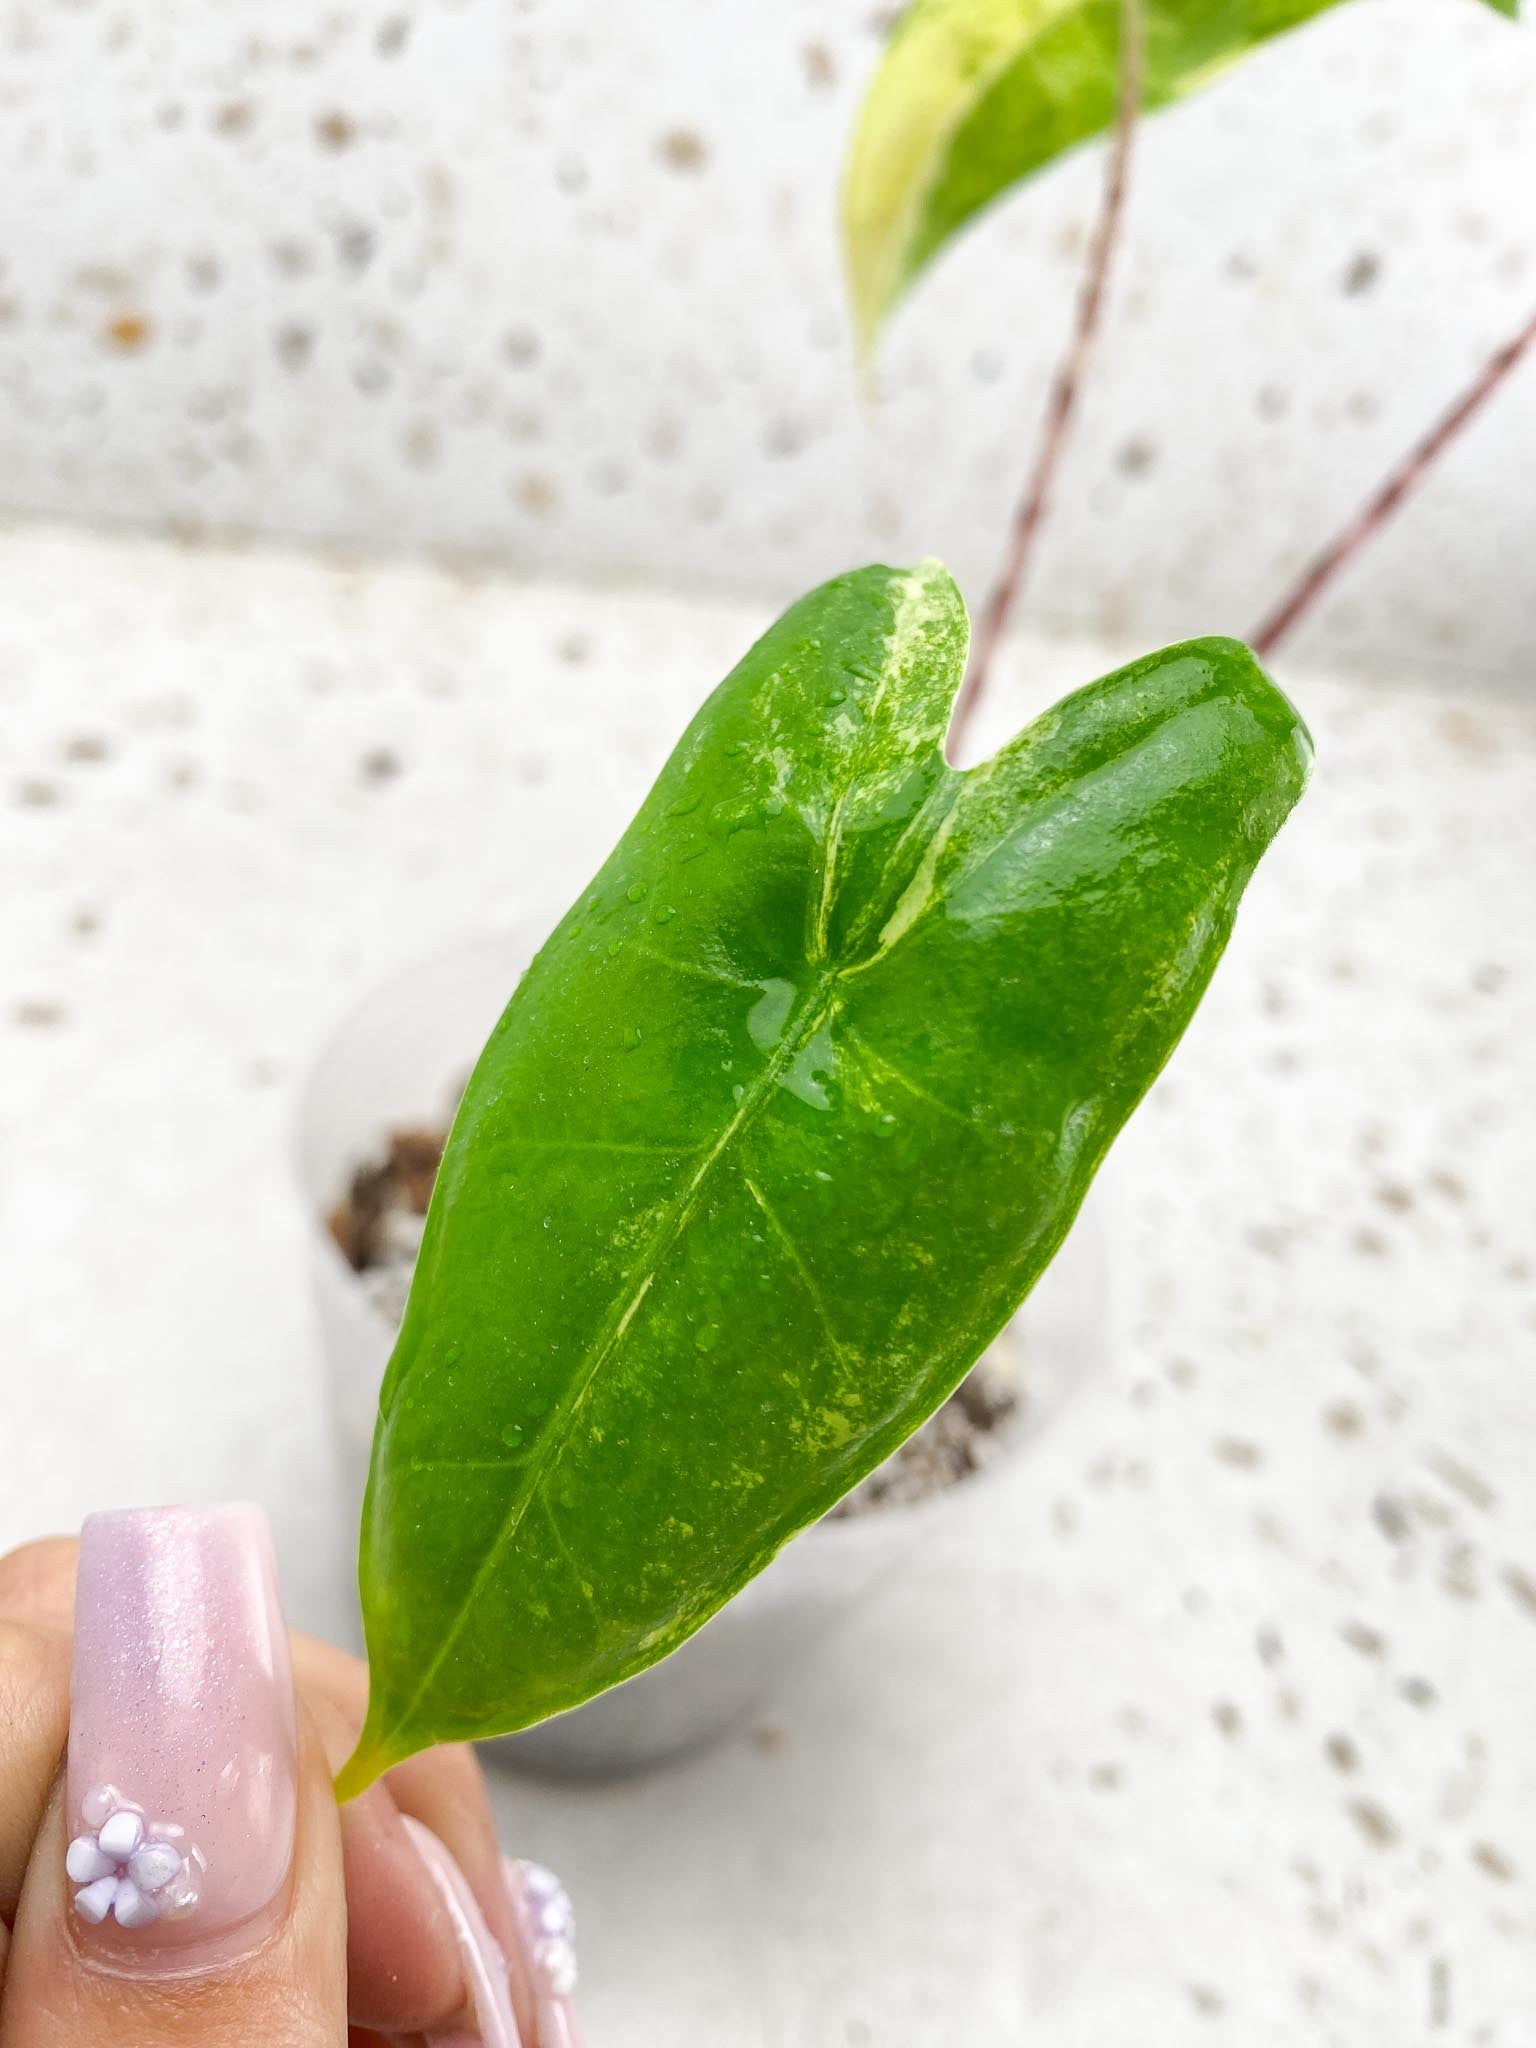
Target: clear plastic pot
[[396, 1062]]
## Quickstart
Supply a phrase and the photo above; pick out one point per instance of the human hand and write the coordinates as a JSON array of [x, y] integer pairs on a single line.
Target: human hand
[[189, 1878]]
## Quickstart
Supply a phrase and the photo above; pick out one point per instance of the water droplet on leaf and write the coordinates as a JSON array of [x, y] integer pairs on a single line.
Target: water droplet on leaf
[[768, 1016]]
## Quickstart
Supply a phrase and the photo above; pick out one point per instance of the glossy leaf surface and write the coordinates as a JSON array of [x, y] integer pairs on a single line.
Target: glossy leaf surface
[[778, 1130], [973, 95]]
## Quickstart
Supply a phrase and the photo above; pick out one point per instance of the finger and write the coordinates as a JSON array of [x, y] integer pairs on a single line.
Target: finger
[[492, 2021], [404, 1965], [405, 1970], [37, 1584], [203, 1901], [525, 1908], [444, 1789], [546, 1946], [34, 1715], [37, 1596], [394, 1951]]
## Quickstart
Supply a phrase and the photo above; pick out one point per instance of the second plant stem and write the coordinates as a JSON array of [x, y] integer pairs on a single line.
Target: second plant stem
[[1378, 509]]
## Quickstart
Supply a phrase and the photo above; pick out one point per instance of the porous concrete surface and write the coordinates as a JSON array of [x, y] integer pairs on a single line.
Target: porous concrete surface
[[1215, 1727]]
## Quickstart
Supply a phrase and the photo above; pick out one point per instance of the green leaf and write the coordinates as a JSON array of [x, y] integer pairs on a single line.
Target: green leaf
[[780, 1127], [973, 95]]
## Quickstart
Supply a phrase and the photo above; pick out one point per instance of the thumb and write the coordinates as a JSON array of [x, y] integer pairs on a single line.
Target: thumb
[[186, 1887]]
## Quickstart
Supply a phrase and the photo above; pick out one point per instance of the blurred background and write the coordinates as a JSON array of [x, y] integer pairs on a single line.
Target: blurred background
[[557, 287], [407, 413]]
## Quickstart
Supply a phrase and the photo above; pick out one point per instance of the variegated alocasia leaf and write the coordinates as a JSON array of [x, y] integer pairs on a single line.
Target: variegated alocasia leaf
[[780, 1127], [973, 95]]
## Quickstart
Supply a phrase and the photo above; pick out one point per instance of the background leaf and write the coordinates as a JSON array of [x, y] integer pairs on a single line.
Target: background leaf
[[778, 1130], [973, 95]]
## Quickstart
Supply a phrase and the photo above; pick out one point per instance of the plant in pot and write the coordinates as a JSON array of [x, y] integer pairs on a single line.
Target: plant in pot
[[802, 1095]]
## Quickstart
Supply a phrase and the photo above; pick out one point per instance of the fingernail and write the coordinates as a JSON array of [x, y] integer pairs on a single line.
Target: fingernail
[[546, 1926], [182, 1779], [485, 1967]]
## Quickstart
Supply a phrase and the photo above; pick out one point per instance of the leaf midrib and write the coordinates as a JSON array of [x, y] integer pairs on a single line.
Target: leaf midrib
[[815, 1011]]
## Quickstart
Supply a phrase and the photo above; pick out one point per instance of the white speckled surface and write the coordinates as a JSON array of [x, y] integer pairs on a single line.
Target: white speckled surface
[[1218, 1731], [558, 281]]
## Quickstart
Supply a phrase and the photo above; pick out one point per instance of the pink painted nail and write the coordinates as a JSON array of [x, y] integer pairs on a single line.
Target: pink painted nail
[[485, 1967], [547, 1927], [182, 1777]]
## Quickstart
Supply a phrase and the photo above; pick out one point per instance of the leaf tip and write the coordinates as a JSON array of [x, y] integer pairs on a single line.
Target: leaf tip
[[1251, 679], [368, 1761], [871, 261], [355, 1775], [931, 595], [865, 309]]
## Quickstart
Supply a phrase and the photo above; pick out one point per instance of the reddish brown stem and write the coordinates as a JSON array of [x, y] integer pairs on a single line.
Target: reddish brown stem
[[1404, 478], [1068, 381]]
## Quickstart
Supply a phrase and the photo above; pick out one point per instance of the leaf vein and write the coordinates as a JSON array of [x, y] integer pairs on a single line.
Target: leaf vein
[[689, 967], [564, 1549], [643, 1274], [797, 1260], [680, 1150], [903, 1079]]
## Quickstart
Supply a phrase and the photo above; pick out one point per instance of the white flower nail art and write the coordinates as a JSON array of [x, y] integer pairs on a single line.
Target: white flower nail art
[[554, 1928], [129, 1868]]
